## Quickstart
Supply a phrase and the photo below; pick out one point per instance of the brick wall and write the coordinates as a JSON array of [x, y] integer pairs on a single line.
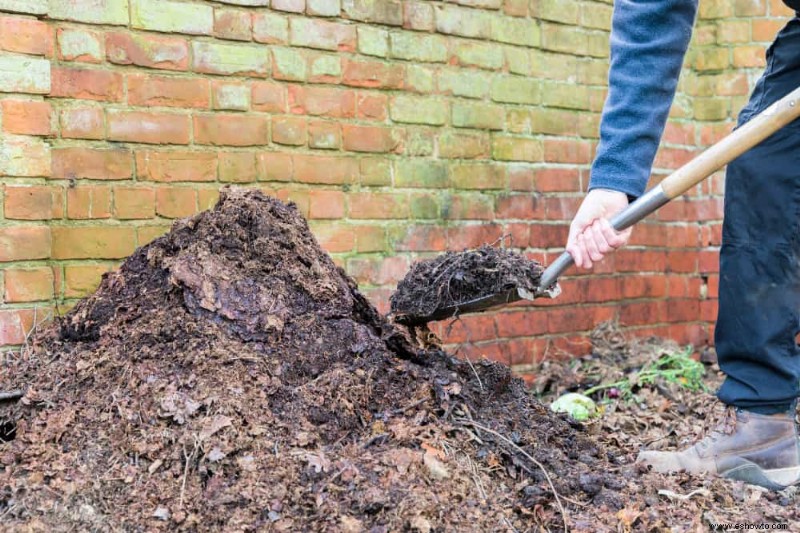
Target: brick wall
[[400, 128]]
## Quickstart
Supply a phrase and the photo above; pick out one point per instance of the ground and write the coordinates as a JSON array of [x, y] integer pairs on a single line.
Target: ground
[[229, 377]]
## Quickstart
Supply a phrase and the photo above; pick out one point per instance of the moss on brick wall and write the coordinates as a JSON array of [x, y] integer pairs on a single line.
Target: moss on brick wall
[[400, 128]]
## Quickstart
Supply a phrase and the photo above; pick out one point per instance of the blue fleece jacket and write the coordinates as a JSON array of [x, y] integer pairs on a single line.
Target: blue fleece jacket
[[649, 39]]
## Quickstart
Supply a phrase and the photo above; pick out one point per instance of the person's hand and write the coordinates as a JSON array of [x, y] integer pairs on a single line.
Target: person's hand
[[591, 236]]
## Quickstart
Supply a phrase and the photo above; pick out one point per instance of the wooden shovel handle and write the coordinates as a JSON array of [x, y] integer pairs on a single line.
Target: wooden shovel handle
[[738, 142]]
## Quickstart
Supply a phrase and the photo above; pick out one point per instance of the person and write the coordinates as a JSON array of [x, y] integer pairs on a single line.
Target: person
[[759, 287]]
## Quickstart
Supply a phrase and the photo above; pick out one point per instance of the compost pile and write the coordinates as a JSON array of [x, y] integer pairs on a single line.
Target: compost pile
[[229, 377], [455, 278]]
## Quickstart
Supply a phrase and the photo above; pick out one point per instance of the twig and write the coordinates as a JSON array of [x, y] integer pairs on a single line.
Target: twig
[[474, 371], [510, 525], [188, 458], [11, 395], [531, 459]]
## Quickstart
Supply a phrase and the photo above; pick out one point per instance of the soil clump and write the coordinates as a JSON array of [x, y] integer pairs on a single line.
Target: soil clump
[[455, 278]]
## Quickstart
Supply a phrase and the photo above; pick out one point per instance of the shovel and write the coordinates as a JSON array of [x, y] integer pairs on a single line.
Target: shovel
[[732, 146]]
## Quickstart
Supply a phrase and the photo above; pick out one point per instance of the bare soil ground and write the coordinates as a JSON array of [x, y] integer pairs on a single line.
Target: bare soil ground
[[229, 377]]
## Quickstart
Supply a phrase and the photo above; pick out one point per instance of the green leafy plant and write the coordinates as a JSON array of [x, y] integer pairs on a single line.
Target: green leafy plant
[[675, 367]]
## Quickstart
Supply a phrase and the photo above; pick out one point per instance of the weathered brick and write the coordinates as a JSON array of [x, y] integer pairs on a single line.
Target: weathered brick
[[418, 141], [80, 45], [561, 38], [765, 30], [456, 145], [460, 82], [88, 202], [146, 90], [82, 280], [22, 243], [324, 135], [483, 176], [711, 108], [32, 7], [453, 20], [289, 64], [373, 74], [24, 156], [224, 129], [479, 54], [176, 202], [291, 131], [234, 24], [749, 56], [33, 203], [113, 12], [275, 166], [26, 117], [132, 203], [595, 15], [419, 110], [24, 74], [172, 17], [375, 171], [372, 106], [270, 28], [28, 284], [329, 170], [712, 58], [230, 59], [420, 78], [469, 206], [418, 16], [326, 204], [144, 50], [83, 123], [389, 12], [373, 41], [269, 96], [292, 6], [557, 11], [415, 47], [86, 84], [369, 138], [423, 174], [378, 206], [322, 101], [516, 90], [523, 32], [516, 149], [93, 164], [176, 166], [566, 95], [148, 127], [478, 115], [324, 8], [238, 167], [109, 242], [314, 33], [230, 95], [26, 35]]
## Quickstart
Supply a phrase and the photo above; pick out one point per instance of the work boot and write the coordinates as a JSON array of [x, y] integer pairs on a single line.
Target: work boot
[[757, 449]]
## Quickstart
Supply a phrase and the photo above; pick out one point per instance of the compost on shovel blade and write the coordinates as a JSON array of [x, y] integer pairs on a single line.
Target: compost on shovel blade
[[229, 377]]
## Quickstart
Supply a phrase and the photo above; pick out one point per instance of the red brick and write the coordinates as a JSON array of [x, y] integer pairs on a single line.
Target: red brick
[[548, 236], [334, 237], [520, 324], [146, 127], [134, 203], [640, 261], [575, 152], [28, 284], [557, 180], [291, 131], [373, 106], [322, 34], [89, 163], [520, 206], [93, 242], [322, 101], [326, 204], [429, 238], [324, 135], [373, 74], [83, 123], [147, 50], [765, 30], [84, 84], [146, 90], [378, 206], [23, 243], [228, 129], [26, 35], [378, 271], [682, 310], [370, 138], [175, 202], [235, 24], [26, 117], [274, 166], [468, 207], [33, 203], [269, 96], [472, 236], [80, 45], [176, 166], [562, 208], [15, 325], [325, 169], [238, 167], [88, 202]]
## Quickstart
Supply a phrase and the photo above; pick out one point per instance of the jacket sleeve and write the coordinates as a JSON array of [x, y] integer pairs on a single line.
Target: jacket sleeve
[[649, 39]]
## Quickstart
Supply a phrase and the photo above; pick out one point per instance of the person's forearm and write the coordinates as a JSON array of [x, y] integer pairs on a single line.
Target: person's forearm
[[649, 39]]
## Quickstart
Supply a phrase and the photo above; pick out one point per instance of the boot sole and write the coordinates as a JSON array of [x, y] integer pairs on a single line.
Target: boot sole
[[776, 479]]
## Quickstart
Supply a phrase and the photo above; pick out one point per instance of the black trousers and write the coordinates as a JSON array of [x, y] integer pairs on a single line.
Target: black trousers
[[759, 288]]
